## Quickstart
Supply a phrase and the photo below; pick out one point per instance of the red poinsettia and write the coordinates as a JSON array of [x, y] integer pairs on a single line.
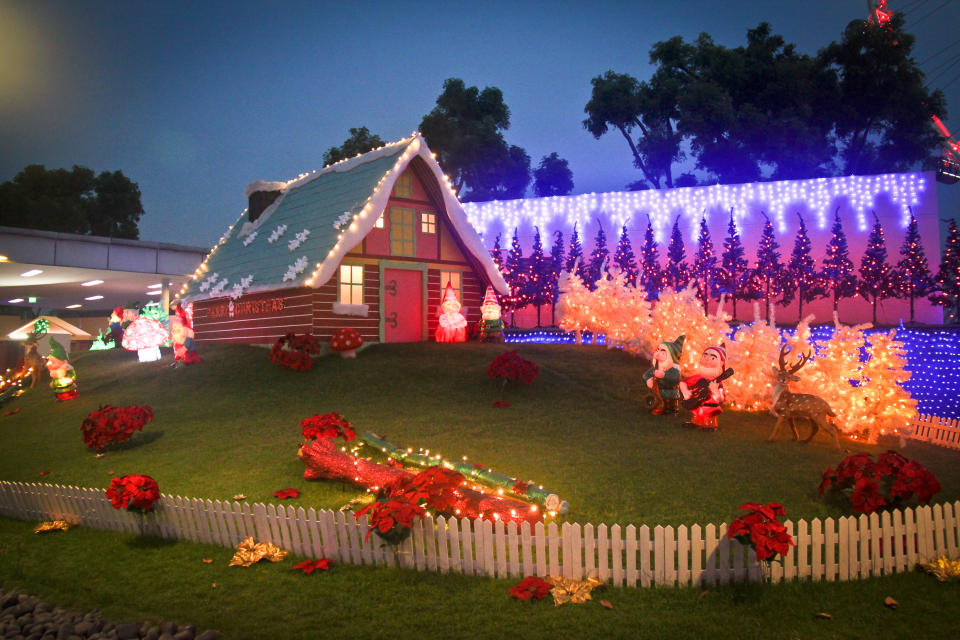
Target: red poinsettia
[[309, 566], [520, 488], [112, 425], [398, 503], [133, 492], [286, 493], [510, 366], [761, 530], [531, 588], [870, 485], [294, 352], [328, 425]]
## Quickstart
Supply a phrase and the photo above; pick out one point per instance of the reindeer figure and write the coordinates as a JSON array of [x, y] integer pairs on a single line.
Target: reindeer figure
[[790, 407]]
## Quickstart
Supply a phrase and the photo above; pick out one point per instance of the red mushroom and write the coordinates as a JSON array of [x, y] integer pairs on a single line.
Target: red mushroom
[[346, 342], [145, 335]]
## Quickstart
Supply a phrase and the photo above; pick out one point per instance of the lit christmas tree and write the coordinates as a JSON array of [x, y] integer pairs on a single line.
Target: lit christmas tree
[[573, 304], [803, 281], [888, 408], [556, 266], [767, 277], [735, 265], [948, 278], [651, 275], [676, 275], [596, 267], [575, 254], [515, 273], [913, 279], [538, 275], [704, 272], [837, 266], [624, 259], [497, 254], [752, 355], [876, 281]]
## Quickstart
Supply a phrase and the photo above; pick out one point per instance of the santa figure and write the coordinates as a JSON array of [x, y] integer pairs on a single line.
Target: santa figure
[[181, 332], [63, 379], [663, 377], [490, 328], [452, 326], [705, 389]]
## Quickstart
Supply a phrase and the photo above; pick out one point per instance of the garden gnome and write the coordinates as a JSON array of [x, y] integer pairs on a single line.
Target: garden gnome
[[452, 326], [663, 377], [491, 326], [63, 379], [116, 326], [181, 332], [705, 389]]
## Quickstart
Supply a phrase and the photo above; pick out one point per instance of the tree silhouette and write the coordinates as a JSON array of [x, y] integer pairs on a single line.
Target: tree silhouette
[[552, 177], [596, 267]]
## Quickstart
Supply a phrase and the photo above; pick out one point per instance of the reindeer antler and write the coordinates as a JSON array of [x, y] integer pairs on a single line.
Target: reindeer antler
[[802, 359]]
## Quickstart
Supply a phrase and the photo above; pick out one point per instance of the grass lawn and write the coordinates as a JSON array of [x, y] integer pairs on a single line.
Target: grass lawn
[[229, 426]]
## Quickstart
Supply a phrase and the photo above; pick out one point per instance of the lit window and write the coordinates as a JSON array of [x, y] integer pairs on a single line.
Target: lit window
[[402, 231], [454, 278], [428, 222], [403, 187], [379, 223], [351, 284]]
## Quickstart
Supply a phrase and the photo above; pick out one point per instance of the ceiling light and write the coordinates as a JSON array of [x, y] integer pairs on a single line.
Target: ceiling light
[[15, 300], [154, 293], [94, 298], [154, 286], [91, 283], [31, 273], [74, 306], [3, 258]]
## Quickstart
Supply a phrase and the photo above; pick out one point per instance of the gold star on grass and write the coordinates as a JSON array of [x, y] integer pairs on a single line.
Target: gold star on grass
[[574, 591], [250, 552], [55, 525], [943, 568]]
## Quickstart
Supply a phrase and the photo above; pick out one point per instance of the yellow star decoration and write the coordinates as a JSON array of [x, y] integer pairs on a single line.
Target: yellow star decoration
[[575, 591], [943, 568], [55, 525], [250, 552]]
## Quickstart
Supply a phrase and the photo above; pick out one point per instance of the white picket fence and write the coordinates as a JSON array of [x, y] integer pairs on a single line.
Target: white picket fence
[[846, 549], [944, 432]]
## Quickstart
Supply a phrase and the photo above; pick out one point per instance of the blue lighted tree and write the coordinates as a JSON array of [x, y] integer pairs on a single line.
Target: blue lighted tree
[[735, 265], [876, 278], [802, 281], [651, 274], [596, 267], [624, 259], [556, 266], [837, 266], [913, 279], [704, 271], [947, 292], [676, 275]]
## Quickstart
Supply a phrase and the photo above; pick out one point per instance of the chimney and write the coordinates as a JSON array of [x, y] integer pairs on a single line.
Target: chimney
[[260, 195]]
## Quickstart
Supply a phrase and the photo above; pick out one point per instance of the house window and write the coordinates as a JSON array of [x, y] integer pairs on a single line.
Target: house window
[[428, 222], [351, 284], [402, 231], [403, 187], [454, 278], [379, 223]]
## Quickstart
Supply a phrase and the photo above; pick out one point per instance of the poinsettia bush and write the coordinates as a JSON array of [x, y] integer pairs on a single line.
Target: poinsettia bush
[[294, 351], [327, 425], [531, 588], [510, 366], [133, 492], [762, 530], [887, 483], [111, 425]]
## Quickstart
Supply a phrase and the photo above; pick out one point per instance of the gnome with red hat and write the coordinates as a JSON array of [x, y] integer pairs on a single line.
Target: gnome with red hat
[[703, 392], [452, 326], [490, 328], [181, 332]]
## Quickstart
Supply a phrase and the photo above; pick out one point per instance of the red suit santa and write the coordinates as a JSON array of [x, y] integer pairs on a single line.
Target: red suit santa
[[713, 362]]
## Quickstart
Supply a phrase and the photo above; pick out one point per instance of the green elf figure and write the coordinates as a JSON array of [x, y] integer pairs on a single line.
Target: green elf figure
[[663, 377], [63, 379]]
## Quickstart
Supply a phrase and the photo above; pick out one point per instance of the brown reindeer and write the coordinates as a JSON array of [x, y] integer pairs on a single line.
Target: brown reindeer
[[788, 406]]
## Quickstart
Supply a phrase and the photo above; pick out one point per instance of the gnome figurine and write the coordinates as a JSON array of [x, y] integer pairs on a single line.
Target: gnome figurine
[[663, 377], [490, 328], [703, 392], [452, 326], [181, 332], [63, 379]]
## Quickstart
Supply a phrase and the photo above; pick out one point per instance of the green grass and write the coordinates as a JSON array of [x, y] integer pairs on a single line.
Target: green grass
[[229, 426]]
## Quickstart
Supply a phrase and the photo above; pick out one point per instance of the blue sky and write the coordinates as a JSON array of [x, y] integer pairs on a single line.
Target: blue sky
[[194, 100]]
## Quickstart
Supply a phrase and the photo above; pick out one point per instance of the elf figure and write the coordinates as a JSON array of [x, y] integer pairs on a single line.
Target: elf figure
[[490, 328], [63, 379], [703, 392], [663, 377], [181, 332], [452, 326]]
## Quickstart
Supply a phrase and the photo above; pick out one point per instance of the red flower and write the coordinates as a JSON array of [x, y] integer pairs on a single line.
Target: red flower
[[510, 366], [309, 566], [520, 488], [293, 351], [531, 588], [761, 530], [113, 425], [133, 492], [11, 412], [328, 425], [286, 493], [887, 482]]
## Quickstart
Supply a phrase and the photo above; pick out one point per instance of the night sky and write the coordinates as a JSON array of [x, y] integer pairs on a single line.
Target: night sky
[[194, 100]]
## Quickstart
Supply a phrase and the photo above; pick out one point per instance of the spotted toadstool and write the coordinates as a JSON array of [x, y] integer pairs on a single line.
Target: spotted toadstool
[[145, 335], [346, 342]]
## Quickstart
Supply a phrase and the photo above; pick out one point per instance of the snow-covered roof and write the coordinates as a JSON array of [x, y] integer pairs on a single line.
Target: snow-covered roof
[[300, 239]]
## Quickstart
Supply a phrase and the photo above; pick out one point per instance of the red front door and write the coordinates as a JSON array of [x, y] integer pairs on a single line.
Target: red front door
[[402, 305]]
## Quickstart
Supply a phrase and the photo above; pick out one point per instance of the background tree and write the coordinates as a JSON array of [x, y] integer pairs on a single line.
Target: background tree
[[767, 277], [947, 292], [515, 273], [360, 141], [556, 266], [704, 271], [912, 278], [651, 275], [876, 279], [677, 273], [837, 266], [625, 260], [552, 177], [596, 266], [803, 282], [74, 201], [497, 254], [538, 275], [575, 255], [465, 130], [735, 265]]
